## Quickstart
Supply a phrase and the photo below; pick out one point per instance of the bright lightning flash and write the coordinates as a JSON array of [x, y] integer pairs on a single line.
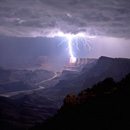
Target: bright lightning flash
[[77, 37], [73, 59]]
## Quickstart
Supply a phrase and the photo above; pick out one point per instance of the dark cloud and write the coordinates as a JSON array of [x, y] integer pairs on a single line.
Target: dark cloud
[[31, 18]]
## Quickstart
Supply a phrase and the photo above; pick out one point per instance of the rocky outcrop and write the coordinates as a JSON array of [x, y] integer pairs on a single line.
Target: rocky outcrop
[[79, 64]]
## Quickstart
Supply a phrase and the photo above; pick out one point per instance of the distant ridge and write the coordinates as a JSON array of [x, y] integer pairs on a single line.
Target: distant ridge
[[91, 74], [79, 64]]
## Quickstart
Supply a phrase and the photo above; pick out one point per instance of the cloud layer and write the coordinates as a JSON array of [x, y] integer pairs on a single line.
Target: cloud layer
[[32, 18]]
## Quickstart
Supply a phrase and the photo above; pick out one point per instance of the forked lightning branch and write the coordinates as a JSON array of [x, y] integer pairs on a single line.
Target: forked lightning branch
[[76, 39]]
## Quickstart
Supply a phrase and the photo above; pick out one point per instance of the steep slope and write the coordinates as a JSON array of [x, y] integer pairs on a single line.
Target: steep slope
[[105, 67], [106, 106], [116, 68]]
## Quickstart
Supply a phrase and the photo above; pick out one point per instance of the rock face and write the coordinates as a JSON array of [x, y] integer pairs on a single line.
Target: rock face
[[79, 64]]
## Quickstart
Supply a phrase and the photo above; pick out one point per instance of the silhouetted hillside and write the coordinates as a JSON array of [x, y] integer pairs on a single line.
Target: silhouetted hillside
[[106, 106]]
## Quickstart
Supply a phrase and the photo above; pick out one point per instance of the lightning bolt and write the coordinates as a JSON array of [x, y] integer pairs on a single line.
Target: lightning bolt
[[78, 37], [70, 49]]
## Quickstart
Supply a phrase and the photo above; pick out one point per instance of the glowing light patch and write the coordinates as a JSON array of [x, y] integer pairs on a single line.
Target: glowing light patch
[[77, 37], [73, 59]]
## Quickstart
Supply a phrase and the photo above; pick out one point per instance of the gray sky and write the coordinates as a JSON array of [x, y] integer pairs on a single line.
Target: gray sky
[[28, 27], [30, 18]]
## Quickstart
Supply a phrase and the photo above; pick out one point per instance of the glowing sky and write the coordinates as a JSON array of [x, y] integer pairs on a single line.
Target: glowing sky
[[25, 20]]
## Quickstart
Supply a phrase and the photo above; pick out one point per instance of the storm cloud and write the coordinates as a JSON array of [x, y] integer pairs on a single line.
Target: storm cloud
[[32, 18]]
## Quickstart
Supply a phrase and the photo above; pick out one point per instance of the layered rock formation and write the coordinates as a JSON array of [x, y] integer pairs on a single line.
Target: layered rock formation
[[79, 64]]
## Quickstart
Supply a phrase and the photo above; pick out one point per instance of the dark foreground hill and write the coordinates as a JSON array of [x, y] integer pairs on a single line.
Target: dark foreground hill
[[106, 106], [25, 112]]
